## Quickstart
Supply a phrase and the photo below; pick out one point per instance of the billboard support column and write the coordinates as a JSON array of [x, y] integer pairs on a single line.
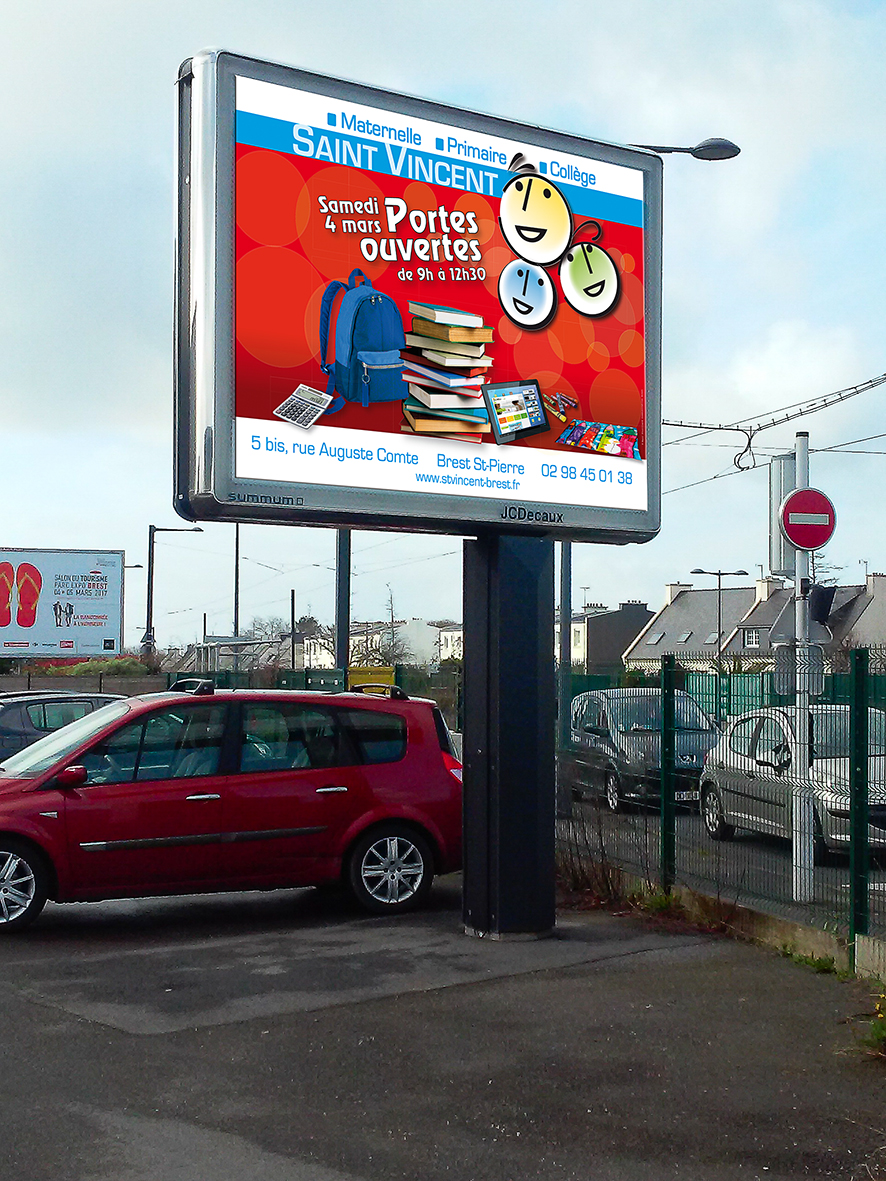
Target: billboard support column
[[343, 600], [509, 736]]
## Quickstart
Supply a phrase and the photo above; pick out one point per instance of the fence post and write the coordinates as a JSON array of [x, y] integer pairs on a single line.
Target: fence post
[[859, 848], [668, 834]]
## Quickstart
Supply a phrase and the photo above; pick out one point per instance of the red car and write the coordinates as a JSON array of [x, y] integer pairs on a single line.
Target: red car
[[176, 793]]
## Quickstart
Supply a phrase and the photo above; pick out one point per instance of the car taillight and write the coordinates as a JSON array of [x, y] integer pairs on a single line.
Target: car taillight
[[452, 765]]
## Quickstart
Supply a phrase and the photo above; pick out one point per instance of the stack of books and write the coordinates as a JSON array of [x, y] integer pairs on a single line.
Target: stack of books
[[446, 366]]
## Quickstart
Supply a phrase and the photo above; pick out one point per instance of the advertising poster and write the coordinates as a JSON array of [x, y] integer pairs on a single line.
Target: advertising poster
[[61, 602], [425, 308]]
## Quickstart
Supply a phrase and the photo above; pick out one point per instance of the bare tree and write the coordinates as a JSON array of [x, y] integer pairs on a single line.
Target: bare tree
[[270, 628]]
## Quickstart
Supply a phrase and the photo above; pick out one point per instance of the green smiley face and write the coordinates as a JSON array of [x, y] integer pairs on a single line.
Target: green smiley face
[[589, 279]]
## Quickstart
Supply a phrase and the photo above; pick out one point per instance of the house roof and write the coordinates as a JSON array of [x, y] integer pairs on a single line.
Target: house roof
[[693, 612]]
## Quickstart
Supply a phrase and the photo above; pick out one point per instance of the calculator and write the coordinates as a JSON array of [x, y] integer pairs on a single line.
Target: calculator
[[303, 407]]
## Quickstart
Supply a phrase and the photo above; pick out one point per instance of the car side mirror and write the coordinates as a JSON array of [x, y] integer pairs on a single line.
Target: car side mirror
[[70, 777], [779, 768]]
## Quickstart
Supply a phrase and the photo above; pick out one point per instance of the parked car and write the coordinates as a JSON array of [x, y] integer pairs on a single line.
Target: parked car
[[615, 745], [29, 715], [173, 793], [750, 778]]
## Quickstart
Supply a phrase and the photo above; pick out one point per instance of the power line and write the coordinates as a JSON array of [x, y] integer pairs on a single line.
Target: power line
[[787, 413], [833, 450]]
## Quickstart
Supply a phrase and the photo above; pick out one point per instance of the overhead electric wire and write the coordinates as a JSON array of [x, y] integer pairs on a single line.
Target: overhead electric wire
[[801, 409]]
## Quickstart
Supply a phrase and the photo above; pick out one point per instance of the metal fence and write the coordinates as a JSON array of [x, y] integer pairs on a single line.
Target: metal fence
[[723, 784]]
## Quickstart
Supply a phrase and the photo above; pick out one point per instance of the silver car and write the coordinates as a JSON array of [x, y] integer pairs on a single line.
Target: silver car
[[750, 778]]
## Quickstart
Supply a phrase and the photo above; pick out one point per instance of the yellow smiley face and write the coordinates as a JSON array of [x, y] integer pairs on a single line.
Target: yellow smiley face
[[535, 219]]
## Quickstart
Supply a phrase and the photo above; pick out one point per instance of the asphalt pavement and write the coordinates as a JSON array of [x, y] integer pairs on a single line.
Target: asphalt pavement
[[285, 1037]]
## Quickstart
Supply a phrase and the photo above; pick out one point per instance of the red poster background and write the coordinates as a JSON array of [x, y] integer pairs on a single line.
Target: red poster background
[[286, 257]]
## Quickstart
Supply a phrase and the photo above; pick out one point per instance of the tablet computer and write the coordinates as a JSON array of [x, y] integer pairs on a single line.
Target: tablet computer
[[515, 410]]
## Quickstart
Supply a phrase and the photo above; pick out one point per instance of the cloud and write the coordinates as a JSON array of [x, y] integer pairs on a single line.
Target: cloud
[[773, 261]]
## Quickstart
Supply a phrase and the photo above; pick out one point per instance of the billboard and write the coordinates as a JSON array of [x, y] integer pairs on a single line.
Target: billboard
[[60, 602], [397, 314]]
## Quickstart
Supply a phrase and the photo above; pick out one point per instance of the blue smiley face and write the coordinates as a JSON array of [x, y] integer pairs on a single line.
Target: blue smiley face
[[527, 294]]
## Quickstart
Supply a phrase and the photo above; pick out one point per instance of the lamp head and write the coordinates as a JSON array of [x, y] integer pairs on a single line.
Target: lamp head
[[715, 149]]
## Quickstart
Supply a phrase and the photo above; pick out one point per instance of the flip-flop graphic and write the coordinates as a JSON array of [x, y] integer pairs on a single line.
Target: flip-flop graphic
[[7, 581], [29, 583]]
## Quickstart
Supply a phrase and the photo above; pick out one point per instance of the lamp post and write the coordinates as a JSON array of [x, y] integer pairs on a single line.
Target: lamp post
[[719, 575], [708, 149], [147, 644]]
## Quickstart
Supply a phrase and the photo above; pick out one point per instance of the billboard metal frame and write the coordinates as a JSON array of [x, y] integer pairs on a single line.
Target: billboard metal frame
[[206, 487]]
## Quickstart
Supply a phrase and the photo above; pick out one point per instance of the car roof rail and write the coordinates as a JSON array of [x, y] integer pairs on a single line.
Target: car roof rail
[[377, 689], [197, 686]]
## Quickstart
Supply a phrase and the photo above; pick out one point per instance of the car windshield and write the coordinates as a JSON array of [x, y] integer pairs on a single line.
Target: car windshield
[[39, 756], [830, 733], [643, 712]]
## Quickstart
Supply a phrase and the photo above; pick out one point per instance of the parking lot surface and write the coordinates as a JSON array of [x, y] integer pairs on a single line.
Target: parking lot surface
[[285, 1037]]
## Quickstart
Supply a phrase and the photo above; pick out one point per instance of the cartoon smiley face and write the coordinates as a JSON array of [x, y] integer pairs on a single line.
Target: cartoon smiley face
[[589, 279], [535, 219], [527, 294]]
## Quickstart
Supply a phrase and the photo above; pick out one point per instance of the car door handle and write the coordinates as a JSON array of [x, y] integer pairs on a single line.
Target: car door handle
[[208, 795], [327, 790]]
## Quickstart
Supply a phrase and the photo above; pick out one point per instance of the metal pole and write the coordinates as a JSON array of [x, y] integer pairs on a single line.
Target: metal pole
[[719, 648], [148, 638], [236, 661], [859, 848], [237, 578], [292, 629], [509, 736], [668, 833], [342, 599], [565, 640], [802, 814]]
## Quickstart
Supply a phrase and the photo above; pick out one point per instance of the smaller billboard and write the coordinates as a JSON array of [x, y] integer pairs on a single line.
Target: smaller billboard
[[61, 602]]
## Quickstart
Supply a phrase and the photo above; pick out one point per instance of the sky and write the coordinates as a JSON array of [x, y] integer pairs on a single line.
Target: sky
[[773, 266]]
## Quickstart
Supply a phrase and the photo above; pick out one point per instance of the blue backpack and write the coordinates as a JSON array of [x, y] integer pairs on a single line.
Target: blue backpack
[[361, 352]]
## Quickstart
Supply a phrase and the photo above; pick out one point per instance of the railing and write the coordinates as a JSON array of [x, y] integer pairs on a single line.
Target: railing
[[763, 812]]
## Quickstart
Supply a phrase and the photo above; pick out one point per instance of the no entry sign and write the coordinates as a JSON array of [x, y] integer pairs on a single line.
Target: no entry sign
[[807, 518]]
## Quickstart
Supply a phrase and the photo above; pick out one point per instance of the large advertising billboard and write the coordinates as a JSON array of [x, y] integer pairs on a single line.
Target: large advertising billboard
[[61, 602], [403, 315]]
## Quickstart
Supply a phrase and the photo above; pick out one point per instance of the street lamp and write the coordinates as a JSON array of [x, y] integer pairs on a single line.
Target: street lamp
[[147, 644], [719, 575], [708, 149]]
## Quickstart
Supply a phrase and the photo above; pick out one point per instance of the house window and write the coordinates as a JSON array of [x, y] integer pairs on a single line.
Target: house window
[[683, 638], [655, 638], [752, 637], [712, 638]]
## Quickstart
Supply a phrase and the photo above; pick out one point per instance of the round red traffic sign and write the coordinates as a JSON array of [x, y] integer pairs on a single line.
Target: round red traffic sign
[[807, 518]]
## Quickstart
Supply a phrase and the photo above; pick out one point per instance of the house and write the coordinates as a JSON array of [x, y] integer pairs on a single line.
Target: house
[[600, 636], [753, 620]]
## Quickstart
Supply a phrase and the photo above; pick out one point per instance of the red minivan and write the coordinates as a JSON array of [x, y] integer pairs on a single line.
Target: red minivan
[[178, 793]]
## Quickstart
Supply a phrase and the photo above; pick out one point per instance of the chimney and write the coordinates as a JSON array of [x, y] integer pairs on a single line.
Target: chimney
[[672, 589], [875, 584], [766, 588]]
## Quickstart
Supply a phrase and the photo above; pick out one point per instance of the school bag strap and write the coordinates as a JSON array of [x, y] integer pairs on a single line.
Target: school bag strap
[[352, 279], [333, 295]]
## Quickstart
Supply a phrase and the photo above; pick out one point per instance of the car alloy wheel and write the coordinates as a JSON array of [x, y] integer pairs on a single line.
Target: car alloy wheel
[[391, 869], [614, 801], [712, 815], [23, 885]]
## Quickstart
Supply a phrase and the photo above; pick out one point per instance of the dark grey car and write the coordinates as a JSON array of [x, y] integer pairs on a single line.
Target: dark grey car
[[27, 716], [615, 745]]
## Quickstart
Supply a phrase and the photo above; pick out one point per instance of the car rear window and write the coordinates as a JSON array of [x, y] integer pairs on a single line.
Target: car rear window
[[52, 715], [443, 735], [379, 737]]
